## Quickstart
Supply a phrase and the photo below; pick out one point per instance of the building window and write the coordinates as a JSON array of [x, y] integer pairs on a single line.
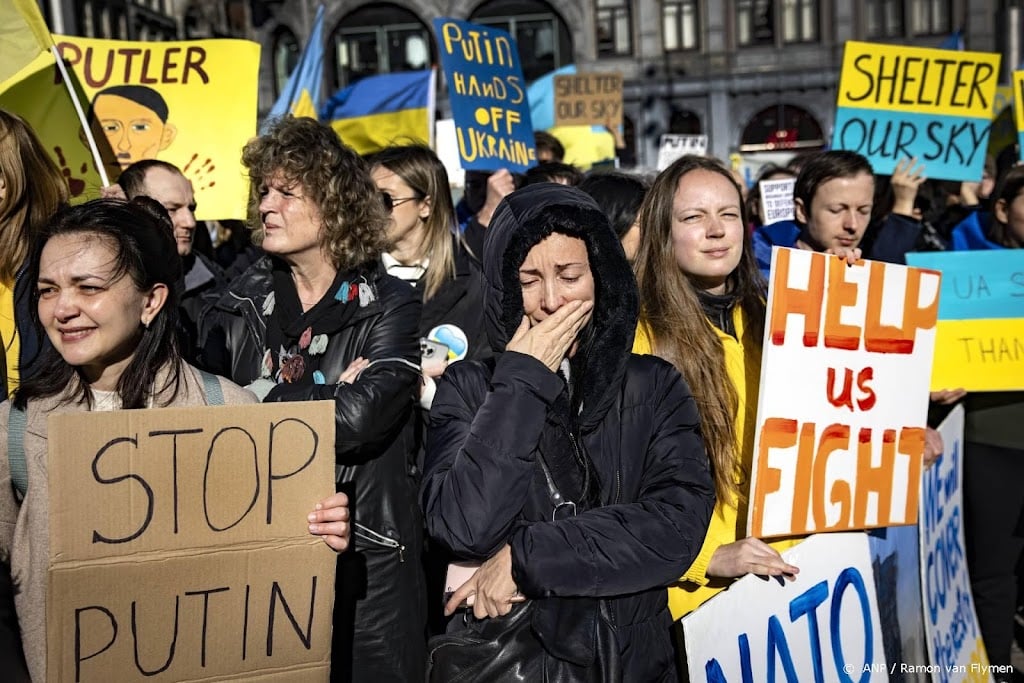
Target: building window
[[542, 36], [885, 19], [680, 25], [799, 21], [379, 39], [755, 22], [614, 28], [929, 17], [285, 54], [781, 127]]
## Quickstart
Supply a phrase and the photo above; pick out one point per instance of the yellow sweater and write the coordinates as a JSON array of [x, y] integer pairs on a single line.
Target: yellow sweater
[[9, 335], [728, 522]]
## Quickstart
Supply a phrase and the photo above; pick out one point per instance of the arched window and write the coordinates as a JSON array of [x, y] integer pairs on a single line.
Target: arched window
[[378, 39], [779, 127], [285, 54], [543, 37]]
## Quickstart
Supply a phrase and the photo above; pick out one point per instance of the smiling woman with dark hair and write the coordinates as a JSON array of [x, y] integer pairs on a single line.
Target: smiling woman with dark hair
[[108, 278]]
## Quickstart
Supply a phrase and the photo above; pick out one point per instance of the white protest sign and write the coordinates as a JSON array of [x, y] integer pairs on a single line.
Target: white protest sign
[[951, 625], [844, 394], [777, 200], [675, 146], [823, 625]]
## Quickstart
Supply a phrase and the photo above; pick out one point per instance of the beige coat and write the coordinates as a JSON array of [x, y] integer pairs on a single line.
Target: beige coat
[[24, 530]]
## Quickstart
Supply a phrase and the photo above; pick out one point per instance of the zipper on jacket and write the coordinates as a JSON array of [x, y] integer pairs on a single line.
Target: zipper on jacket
[[368, 534]]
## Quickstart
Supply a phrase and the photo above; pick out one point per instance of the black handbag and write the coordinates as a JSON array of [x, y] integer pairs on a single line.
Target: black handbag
[[506, 649]]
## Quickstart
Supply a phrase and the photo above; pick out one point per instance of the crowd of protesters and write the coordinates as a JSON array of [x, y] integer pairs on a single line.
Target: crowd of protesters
[[589, 452]]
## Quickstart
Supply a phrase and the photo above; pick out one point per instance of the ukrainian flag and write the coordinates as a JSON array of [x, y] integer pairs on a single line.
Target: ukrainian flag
[[378, 111], [301, 94], [584, 145]]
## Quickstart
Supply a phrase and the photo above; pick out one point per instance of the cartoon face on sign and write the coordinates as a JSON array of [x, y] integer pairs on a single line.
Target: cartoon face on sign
[[133, 119]]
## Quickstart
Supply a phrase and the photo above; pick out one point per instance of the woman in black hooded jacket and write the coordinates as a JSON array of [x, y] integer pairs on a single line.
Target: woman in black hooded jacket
[[619, 440]]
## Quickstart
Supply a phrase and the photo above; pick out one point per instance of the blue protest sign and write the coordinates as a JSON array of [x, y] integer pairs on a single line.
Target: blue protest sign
[[487, 95]]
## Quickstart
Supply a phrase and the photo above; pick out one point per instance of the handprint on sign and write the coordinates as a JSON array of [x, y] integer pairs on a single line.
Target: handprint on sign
[[75, 185], [201, 173]]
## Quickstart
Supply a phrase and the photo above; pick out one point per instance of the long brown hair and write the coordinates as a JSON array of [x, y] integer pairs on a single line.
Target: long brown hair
[[422, 170], [34, 190], [680, 330]]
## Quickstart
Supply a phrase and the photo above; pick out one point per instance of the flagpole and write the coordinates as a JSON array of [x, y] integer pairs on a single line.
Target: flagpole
[[81, 116]]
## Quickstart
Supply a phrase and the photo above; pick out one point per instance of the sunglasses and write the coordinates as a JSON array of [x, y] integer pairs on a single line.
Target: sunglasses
[[391, 202]]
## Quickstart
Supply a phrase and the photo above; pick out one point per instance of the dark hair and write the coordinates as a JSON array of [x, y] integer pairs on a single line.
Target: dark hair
[[679, 329], [141, 236], [1009, 188], [311, 154], [139, 94], [619, 195], [825, 166], [545, 140], [553, 172], [133, 179]]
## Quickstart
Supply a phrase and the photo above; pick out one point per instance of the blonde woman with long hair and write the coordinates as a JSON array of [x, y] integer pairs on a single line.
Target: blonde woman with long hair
[[702, 309], [426, 250], [32, 188]]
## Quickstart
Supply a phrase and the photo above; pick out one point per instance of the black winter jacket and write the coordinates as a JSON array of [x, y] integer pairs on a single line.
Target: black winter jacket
[[380, 599], [459, 301], [483, 487]]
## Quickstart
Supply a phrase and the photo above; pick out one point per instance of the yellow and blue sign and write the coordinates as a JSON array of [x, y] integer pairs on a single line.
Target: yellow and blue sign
[[979, 343], [897, 102], [487, 94]]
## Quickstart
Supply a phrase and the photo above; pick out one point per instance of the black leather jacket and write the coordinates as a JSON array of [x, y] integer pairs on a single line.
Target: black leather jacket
[[380, 590]]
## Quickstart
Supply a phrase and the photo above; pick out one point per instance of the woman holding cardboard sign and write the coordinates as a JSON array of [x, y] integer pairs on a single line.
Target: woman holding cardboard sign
[[107, 282], [703, 310]]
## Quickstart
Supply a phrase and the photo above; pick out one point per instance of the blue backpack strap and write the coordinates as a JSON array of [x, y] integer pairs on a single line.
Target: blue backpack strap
[[214, 394], [16, 423]]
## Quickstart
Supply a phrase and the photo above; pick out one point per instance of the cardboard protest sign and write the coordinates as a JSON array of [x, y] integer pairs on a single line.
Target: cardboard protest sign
[[190, 103], [584, 99], [676, 146], [897, 102], [777, 200], [843, 395], [487, 94], [953, 637], [823, 624], [179, 547], [979, 345]]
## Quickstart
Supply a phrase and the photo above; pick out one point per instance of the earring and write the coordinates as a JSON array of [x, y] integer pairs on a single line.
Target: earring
[[145, 324]]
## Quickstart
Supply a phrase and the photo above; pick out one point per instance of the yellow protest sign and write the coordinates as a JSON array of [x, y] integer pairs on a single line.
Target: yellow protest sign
[[190, 103], [918, 80]]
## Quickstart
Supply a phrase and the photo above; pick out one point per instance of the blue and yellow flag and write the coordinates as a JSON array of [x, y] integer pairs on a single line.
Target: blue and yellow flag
[[584, 145], [378, 111], [301, 94]]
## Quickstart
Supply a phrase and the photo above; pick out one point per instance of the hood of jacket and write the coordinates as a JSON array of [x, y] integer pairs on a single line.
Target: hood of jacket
[[525, 218]]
